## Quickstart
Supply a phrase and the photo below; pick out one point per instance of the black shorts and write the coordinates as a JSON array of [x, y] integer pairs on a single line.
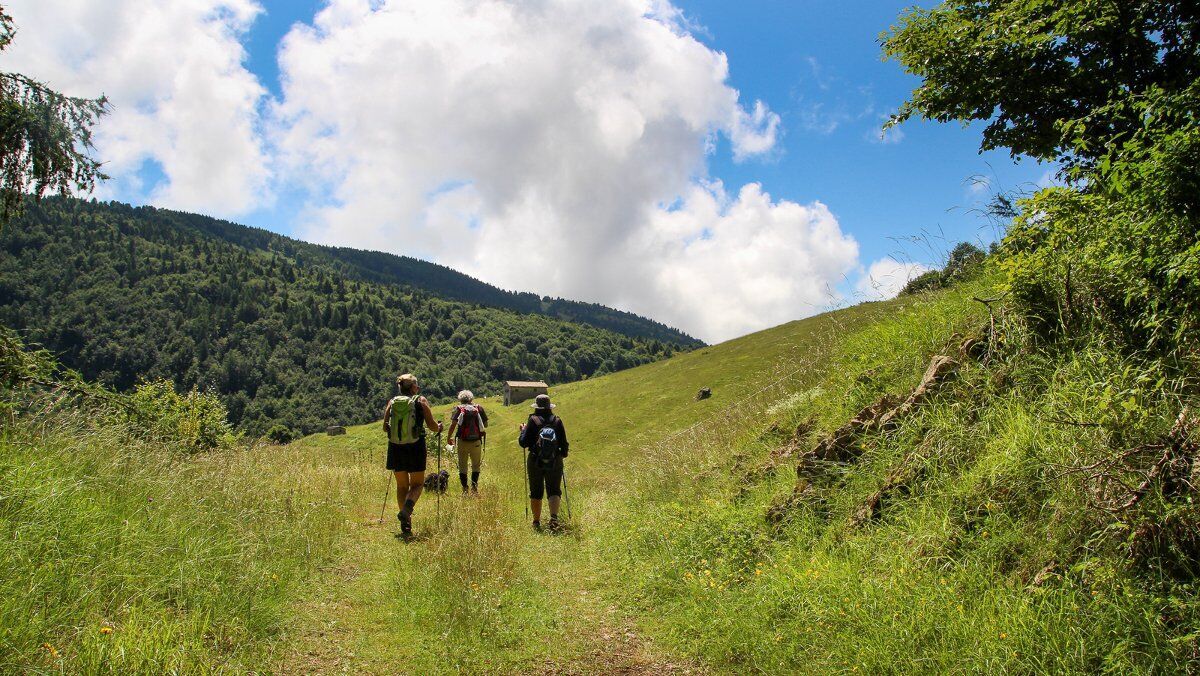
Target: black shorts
[[547, 480], [407, 457]]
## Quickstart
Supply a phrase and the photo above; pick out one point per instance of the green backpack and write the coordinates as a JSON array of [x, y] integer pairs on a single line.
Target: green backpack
[[405, 427]]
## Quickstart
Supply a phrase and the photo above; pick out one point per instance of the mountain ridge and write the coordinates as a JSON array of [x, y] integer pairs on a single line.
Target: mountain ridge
[[287, 337], [387, 268]]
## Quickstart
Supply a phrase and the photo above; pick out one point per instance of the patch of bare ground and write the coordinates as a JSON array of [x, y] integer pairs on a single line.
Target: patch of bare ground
[[616, 648]]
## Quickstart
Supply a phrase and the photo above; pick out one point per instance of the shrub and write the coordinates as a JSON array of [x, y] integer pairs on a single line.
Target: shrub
[[195, 420], [965, 260], [281, 434]]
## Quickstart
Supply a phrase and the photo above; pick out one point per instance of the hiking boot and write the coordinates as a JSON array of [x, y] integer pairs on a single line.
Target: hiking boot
[[475, 489], [555, 525], [537, 526], [405, 522]]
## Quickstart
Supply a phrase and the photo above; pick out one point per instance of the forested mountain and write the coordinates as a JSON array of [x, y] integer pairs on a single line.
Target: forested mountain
[[285, 332], [385, 268]]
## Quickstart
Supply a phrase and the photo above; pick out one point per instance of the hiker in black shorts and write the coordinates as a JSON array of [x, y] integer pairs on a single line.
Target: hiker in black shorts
[[546, 438], [404, 420]]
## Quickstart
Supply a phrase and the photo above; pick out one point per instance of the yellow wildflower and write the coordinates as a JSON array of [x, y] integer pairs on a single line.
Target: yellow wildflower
[[106, 630], [50, 649]]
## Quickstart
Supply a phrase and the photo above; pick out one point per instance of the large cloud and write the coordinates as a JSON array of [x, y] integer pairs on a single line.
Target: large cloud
[[556, 146], [181, 98]]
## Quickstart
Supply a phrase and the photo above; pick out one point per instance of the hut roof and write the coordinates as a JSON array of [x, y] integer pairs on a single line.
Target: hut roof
[[525, 383]]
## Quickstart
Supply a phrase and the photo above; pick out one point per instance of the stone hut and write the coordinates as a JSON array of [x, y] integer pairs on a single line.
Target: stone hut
[[517, 391]]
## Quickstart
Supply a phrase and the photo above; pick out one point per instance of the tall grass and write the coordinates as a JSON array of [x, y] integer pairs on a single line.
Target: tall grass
[[996, 555], [944, 579], [125, 556]]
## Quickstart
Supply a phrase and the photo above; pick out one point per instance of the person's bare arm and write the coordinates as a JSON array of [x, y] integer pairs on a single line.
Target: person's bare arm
[[387, 417], [453, 426], [433, 425]]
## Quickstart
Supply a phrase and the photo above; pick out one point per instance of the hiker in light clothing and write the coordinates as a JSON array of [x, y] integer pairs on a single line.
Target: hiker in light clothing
[[402, 422], [469, 420], [546, 438]]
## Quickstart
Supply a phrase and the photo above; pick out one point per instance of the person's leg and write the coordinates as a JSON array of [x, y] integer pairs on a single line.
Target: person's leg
[[536, 490], [401, 488], [416, 484], [476, 453], [554, 490], [461, 448], [405, 513]]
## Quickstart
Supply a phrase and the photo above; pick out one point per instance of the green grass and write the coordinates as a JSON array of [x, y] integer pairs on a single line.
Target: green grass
[[121, 556], [274, 558]]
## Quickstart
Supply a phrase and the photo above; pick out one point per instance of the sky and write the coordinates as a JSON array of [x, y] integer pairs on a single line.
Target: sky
[[716, 166]]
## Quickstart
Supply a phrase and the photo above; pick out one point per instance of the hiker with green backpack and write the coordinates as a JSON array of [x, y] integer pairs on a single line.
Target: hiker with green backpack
[[467, 433], [404, 420], [546, 439]]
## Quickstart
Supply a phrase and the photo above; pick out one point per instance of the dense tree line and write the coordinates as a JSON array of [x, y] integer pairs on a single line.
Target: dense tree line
[[126, 295], [385, 268]]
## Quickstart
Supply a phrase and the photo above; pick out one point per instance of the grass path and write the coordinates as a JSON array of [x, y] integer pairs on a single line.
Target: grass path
[[478, 590]]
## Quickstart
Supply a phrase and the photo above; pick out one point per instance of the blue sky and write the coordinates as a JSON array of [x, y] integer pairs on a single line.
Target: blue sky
[[717, 166], [818, 64]]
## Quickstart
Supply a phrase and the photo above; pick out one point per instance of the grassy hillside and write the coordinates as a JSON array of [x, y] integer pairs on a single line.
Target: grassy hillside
[[990, 547]]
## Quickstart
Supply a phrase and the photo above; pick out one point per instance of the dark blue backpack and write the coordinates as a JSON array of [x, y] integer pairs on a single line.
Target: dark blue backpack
[[547, 444]]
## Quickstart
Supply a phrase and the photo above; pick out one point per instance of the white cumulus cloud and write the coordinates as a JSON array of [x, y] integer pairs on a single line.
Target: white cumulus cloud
[[181, 97], [886, 277], [557, 146]]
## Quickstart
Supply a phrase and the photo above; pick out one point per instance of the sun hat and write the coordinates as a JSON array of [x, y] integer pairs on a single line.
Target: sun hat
[[543, 401]]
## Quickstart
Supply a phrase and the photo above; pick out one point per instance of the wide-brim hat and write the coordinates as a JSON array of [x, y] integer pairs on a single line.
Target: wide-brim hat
[[543, 401]]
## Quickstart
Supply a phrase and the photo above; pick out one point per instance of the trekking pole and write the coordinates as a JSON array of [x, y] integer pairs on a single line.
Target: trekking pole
[[387, 490], [566, 493], [438, 483], [525, 473]]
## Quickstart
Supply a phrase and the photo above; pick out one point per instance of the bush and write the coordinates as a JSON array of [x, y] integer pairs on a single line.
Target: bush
[[196, 420], [964, 261], [281, 434]]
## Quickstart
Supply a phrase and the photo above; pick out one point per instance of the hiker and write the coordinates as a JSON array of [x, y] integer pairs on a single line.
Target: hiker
[[402, 421], [546, 438], [469, 420]]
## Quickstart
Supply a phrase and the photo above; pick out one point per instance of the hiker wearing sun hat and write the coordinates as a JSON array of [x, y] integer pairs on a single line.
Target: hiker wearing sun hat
[[546, 438]]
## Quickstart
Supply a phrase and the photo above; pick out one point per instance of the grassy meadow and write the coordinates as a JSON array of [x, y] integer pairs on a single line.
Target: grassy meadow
[[125, 556]]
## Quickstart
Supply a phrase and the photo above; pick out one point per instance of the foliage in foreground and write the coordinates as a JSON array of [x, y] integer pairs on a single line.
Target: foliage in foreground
[[1005, 549], [124, 550], [1111, 92], [46, 137]]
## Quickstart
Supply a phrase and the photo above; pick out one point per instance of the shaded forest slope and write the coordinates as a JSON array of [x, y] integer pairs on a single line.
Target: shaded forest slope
[[286, 334]]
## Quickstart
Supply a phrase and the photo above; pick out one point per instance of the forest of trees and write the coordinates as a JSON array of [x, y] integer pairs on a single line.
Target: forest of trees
[[385, 268], [285, 337]]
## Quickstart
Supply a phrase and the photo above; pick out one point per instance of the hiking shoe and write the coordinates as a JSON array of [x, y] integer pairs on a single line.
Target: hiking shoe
[[537, 526], [405, 523], [474, 489], [555, 525]]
